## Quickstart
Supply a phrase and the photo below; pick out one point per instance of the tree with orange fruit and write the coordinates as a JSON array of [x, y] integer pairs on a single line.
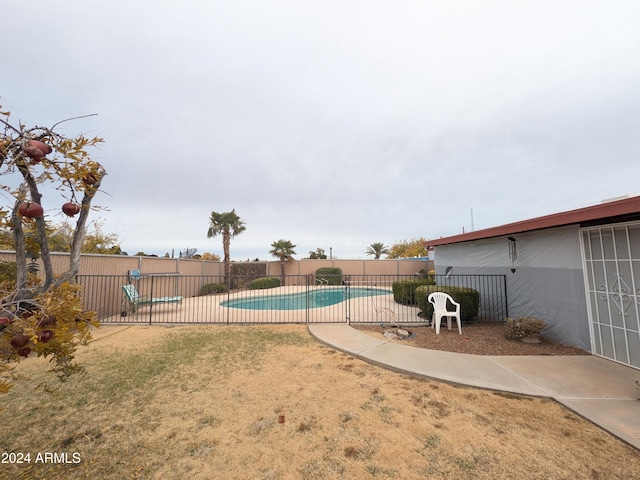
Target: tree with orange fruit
[[44, 316]]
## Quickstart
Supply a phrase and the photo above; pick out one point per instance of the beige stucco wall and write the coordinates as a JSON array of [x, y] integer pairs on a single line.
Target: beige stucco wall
[[104, 275], [352, 267], [121, 265]]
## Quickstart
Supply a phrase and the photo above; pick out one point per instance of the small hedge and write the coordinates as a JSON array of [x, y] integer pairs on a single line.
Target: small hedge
[[210, 288], [468, 298], [243, 272], [264, 282], [332, 275], [521, 327], [404, 291]]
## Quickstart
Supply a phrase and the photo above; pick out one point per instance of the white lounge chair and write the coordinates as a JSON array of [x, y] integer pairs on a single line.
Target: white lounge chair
[[135, 300]]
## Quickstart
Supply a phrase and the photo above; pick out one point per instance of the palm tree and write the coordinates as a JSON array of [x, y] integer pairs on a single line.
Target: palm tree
[[284, 250], [377, 249], [229, 225]]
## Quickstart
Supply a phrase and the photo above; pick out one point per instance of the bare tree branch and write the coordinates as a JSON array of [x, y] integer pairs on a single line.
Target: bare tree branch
[[79, 232], [72, 118]]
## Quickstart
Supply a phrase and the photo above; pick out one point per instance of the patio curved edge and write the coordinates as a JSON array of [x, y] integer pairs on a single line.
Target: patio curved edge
[[455, 368], [597, 389]]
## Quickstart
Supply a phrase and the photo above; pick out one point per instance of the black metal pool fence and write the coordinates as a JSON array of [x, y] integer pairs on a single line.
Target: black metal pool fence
[[176, 299]]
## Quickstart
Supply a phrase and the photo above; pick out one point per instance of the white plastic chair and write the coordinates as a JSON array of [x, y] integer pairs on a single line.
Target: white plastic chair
[[439, 302]]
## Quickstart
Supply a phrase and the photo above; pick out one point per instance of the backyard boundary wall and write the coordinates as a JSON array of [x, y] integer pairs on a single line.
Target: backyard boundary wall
[[122, 264]]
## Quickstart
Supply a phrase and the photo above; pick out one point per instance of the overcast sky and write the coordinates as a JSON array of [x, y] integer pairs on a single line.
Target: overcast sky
[[333, 124]]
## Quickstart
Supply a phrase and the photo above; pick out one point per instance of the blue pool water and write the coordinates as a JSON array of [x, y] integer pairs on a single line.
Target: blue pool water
[[302, 300]]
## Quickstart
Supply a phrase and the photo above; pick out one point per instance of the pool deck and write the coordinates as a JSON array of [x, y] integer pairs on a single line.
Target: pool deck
[[207, 309]]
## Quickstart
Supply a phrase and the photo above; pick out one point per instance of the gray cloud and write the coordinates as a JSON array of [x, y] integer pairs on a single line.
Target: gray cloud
[[335, 124]]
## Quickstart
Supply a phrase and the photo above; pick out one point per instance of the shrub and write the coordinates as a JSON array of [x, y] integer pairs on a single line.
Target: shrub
[[520, 327], [245, 269], [264, 282], [332, 275], [8, 274], [210, 288], [468, 298], [404, 291], [242, 273]]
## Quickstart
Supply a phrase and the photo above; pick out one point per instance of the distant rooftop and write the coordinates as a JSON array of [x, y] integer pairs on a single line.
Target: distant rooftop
[[609, 211]]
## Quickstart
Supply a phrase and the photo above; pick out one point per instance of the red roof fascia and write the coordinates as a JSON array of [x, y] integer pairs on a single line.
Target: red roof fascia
[[586, 214]]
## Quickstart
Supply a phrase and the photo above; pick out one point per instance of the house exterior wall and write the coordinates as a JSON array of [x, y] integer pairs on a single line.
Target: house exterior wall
[[547, 280]]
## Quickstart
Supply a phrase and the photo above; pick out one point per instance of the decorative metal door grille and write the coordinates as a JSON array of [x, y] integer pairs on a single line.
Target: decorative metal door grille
[[611, 256]]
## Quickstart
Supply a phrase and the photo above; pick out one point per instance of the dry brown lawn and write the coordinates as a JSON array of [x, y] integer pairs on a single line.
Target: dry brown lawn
[[268, 402]]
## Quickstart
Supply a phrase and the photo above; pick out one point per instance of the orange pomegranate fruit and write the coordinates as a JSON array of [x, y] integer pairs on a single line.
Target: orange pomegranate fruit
[[30, 210], [19, 341], [45, 335], [43, 147], [70, 209]]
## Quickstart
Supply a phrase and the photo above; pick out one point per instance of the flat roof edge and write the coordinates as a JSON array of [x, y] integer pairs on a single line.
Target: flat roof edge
[[591, 213]]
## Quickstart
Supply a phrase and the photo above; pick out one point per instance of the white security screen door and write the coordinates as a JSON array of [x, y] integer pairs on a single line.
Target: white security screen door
[[611, 256]]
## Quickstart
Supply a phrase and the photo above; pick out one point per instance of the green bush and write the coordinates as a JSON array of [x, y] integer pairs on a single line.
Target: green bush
[[329, 275], [404, 291], [264, 282], [468, 298], [210, 288]]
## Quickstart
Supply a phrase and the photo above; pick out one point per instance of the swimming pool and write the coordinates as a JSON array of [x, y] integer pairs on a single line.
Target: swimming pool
[[300, 301]]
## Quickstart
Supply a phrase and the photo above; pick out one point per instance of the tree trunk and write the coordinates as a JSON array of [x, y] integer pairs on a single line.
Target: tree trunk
[[226, 242], [79, 233], [282, 272], [22, 291], [21, 252], [35, 196]]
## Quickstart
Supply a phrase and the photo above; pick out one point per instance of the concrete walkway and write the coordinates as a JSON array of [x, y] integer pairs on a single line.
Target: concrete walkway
[[600, 390]]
